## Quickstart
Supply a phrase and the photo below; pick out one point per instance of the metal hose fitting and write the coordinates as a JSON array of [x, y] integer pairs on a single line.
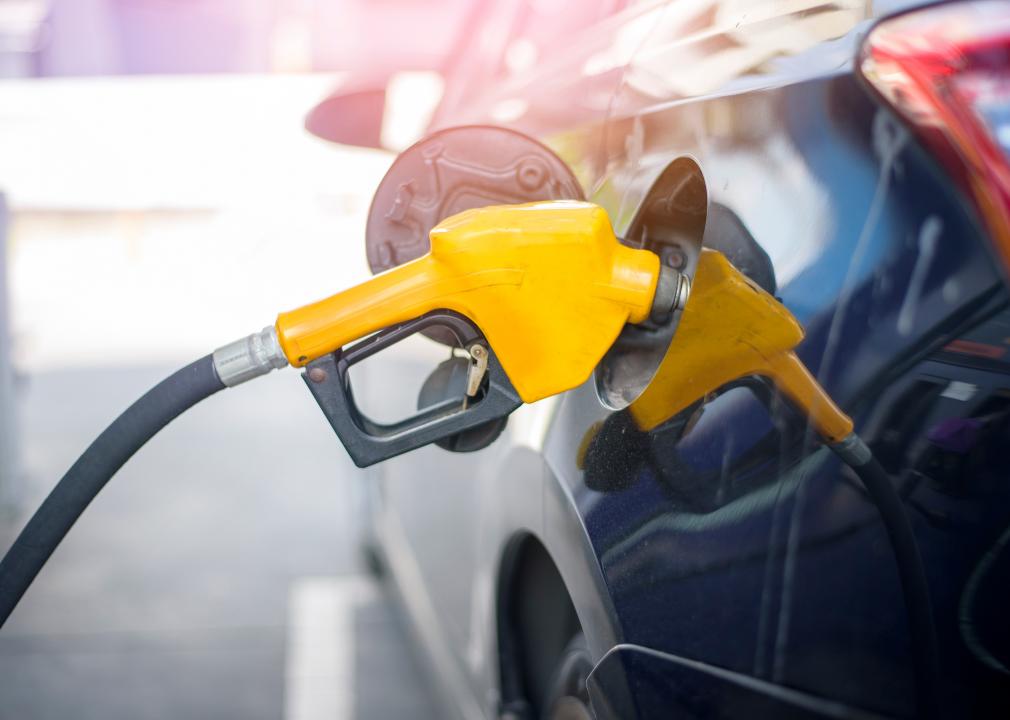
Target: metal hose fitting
[[249, 357], [852, 450]]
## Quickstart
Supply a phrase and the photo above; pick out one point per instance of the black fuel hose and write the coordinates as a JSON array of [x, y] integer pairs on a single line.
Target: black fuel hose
[[86, 478], [914, 586]]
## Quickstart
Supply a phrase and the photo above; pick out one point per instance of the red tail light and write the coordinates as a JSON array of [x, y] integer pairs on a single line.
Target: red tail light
[[946, 70]]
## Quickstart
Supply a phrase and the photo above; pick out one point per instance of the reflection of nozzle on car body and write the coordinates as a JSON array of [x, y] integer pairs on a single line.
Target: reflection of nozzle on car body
[[731, 329]]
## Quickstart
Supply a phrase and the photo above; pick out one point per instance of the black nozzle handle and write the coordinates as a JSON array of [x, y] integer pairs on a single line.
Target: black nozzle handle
[[369, 442]]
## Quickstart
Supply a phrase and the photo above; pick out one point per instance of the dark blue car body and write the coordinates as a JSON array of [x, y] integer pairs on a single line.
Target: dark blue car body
[[724, 564]]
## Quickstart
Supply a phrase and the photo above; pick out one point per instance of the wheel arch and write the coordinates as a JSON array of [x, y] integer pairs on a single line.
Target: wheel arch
[[536, 617]]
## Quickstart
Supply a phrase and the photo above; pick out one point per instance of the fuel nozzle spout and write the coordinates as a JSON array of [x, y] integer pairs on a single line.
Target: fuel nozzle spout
[[672, 291], [548, 284]]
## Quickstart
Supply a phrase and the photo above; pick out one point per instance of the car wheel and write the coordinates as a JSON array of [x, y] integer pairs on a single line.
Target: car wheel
[[568, 697]]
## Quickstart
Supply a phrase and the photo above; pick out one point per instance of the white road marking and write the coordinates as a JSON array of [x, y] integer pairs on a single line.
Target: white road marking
[[319, 667]]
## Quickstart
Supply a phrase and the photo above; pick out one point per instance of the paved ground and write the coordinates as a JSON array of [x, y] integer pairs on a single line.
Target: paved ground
[[215, 577]]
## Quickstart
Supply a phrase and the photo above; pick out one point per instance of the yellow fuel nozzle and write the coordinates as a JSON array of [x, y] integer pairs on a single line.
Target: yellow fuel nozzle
[[732, 328], [548, 284]]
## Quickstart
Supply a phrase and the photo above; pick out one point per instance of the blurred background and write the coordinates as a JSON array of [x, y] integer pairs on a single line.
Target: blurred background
[[160, 196]]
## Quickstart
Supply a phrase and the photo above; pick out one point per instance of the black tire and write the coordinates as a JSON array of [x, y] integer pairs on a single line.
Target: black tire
[[567, 695]]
